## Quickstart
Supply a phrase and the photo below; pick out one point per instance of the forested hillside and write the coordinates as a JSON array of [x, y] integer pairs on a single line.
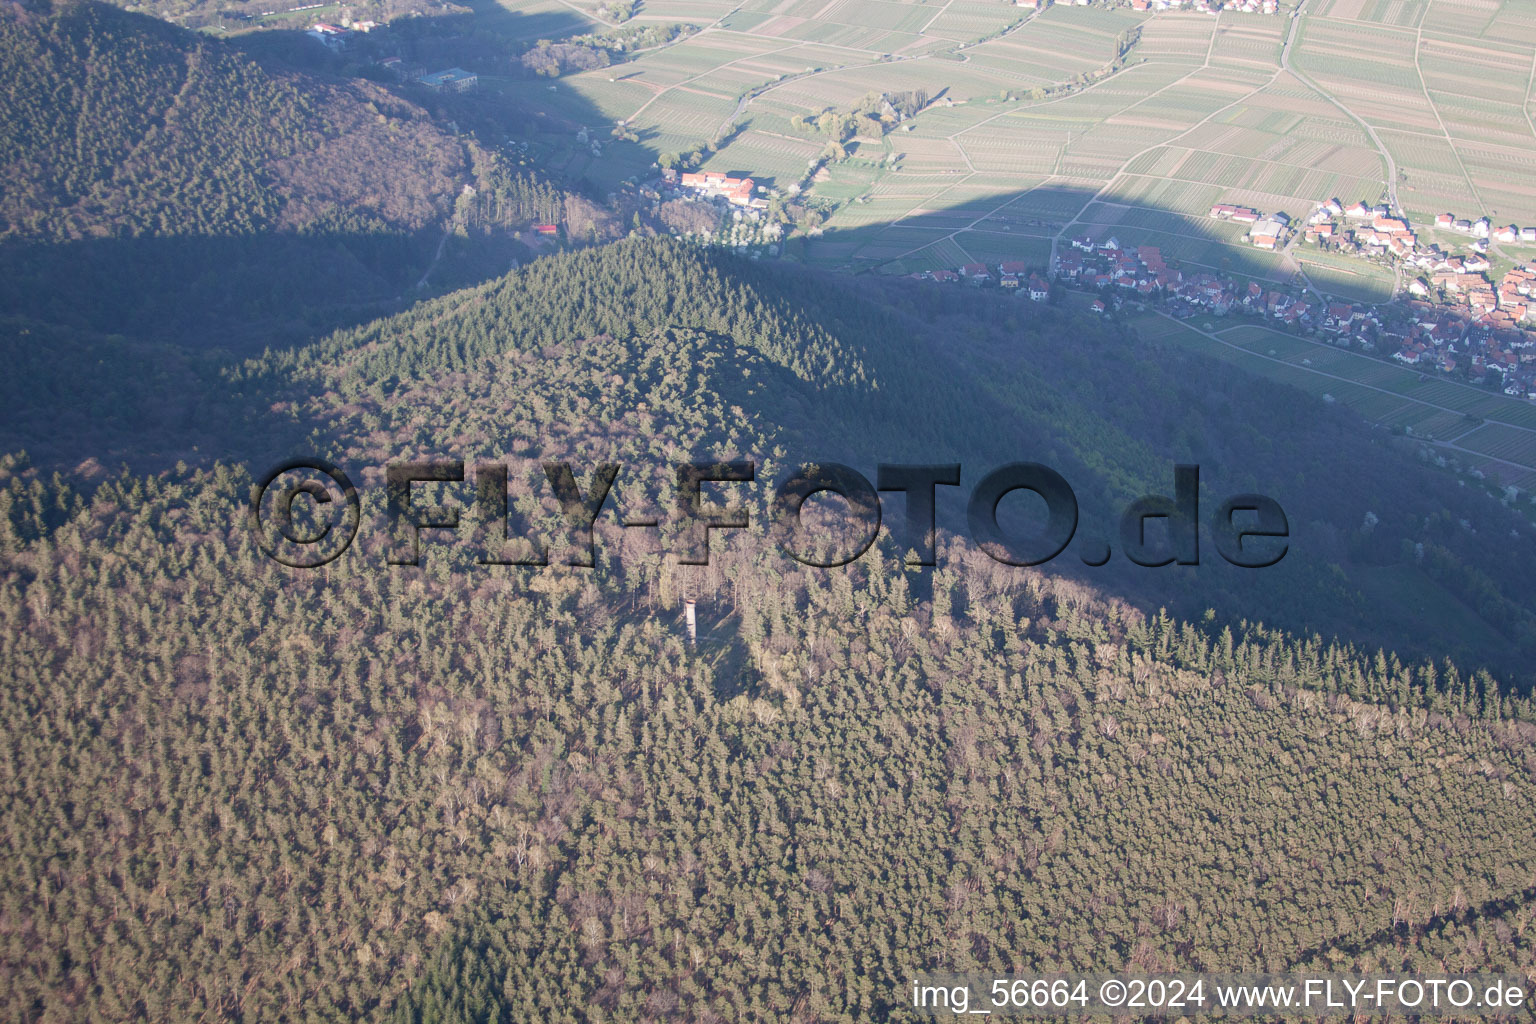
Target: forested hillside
[[556, 360], [162, 184], [465, 792]]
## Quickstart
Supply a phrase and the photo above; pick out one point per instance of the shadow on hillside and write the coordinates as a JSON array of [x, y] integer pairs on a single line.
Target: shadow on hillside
[[240, 294], [1021, 225], [486, 41], [274, 288], [1379, 552], [967, 375], [245, 290], [512, 104]]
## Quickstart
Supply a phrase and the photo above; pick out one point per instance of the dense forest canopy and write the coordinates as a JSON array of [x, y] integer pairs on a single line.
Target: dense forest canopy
[[163, 184], [119, 125], [865, 372], [461, 792], [480, 793]]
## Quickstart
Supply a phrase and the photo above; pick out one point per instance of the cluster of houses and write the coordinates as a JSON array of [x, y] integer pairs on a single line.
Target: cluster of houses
[[1509, 304], [1437, 339], [1393, 233], [1265, 231], [1374, 227], [1480, 229], [1433, 336], [714, 185], [1483, 228], [1012, 275], [1142, 272], [336, 37], [1456, 281]]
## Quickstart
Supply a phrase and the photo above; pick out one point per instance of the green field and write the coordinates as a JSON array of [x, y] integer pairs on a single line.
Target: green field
[[1482, 422], [1345, 276]]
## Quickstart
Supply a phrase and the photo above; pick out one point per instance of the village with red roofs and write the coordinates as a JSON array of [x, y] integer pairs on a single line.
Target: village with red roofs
[[713, 184], [1449, 318]]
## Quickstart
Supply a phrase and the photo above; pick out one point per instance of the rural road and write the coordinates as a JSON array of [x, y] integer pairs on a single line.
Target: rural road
[[1302, 76], [453, 224], [1386, 154]]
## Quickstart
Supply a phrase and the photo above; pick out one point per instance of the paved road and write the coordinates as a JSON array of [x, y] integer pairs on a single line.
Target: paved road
[[1285, 64]]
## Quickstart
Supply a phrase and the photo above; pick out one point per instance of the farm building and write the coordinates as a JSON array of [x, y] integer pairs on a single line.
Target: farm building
[[1265, 234], [330, 36], [1241, 214], [451, 80], [713, 183]]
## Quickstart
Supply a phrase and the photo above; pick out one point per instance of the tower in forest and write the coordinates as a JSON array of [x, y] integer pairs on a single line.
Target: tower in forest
[[690, 604]]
